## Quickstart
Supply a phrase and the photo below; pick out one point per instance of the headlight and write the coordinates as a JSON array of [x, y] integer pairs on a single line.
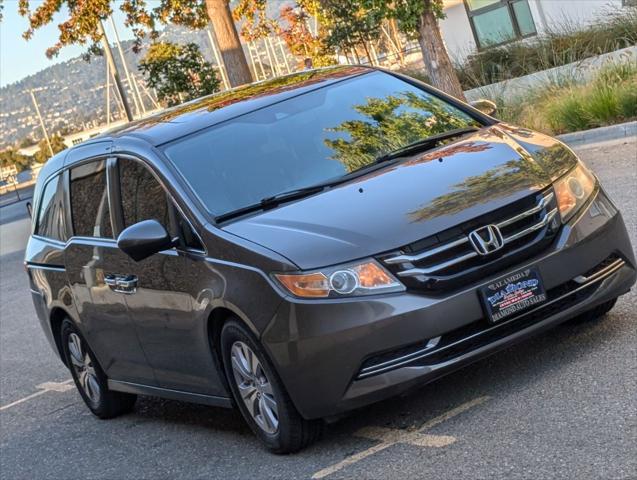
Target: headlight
[[573, 190], [365, 278]]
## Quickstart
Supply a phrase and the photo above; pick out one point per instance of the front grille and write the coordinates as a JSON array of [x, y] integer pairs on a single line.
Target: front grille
[[448, 259], [480, 333]]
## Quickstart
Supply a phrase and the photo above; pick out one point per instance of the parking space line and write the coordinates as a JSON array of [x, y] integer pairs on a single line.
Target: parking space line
[[389, 437], [42, 389]]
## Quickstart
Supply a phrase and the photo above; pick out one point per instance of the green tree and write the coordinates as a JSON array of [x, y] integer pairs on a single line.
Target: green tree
[[11, 157], [419, 19], [352, 24], [26, 142], [178, 72], [43, 154], [82, 25], [390, 123]]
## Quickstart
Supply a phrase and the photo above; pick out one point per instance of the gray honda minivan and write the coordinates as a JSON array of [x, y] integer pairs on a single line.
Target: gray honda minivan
[[307, 245]]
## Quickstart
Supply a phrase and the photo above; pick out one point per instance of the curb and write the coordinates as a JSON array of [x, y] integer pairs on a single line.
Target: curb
[[622, 130]]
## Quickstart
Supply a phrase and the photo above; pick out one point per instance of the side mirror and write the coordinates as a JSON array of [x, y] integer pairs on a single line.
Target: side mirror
[[143, 239], [29, 209], [485, 106]]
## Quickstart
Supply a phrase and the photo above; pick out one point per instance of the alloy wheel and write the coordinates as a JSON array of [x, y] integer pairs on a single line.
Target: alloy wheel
[[255, 387], [84, 369]]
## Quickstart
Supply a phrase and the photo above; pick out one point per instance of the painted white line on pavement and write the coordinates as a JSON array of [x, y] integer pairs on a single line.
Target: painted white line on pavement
[[42, 389], [390, 437]]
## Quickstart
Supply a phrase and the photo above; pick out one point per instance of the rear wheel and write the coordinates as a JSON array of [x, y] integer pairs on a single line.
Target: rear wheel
[[89, 378], [596, 312], [260, 395]]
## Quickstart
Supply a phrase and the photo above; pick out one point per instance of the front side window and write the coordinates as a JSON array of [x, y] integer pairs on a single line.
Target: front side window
[[89, 201], [143, 198], [496, 22], [314, 137], [51, 221]]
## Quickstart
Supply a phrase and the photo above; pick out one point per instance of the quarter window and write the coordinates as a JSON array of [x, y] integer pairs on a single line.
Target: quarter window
[[495, 22], [89, 201], [50, 220]]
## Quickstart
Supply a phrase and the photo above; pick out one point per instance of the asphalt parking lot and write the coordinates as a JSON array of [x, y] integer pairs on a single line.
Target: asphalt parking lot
[[562, 405]]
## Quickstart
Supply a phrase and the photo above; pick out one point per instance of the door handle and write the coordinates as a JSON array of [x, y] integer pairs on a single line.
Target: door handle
[[121, 283], [128, 282]]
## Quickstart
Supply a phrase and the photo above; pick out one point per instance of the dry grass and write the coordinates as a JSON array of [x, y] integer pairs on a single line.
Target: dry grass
[[610, 98]]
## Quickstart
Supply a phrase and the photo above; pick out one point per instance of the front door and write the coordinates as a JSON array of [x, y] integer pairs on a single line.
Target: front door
[[171, 331], [91, 255]]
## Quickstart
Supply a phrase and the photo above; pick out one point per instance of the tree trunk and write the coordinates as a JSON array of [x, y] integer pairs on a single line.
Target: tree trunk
[[228, 42], [434, 53]]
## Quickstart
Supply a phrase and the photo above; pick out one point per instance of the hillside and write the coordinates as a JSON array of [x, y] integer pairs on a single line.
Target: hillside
[[72, 94]]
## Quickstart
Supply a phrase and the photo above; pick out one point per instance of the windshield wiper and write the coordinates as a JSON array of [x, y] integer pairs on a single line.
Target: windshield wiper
[[423, 144], [274, 200]]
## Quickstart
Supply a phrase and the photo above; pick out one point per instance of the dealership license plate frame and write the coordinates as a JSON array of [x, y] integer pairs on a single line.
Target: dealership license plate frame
[[513, 293]]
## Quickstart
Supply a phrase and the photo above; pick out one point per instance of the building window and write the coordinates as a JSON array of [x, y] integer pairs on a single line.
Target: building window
[[495, 22]]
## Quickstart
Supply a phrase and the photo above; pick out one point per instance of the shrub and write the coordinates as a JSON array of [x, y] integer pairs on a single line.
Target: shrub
[[610, 98]]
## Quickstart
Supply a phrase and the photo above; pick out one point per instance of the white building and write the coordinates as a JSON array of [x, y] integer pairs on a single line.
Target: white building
[[472, 25]]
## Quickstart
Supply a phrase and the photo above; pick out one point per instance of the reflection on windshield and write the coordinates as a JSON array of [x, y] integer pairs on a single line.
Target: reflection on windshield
[[390, 123], [312, 138]]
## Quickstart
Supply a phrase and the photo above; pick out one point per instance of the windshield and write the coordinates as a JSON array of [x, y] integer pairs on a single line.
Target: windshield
[[312, 138]]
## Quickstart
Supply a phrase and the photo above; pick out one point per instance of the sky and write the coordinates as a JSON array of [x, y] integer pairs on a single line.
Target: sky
[[19, 58]]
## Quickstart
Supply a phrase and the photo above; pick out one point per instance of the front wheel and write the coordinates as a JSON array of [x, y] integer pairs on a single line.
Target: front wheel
[[89, 378], [260, 395]]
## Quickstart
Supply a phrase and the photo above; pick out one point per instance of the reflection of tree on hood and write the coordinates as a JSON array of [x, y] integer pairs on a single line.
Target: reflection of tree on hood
[[503, 180], [393, 122]]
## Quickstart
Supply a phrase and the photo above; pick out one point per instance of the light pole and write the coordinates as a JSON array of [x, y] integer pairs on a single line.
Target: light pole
[[37, 111], [111, 62], [128, 76]]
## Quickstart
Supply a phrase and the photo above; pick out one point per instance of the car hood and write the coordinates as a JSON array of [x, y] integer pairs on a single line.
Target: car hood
[[411, 200]]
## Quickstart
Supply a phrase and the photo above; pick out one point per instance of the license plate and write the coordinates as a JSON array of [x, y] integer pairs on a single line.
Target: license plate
[[513, 294]]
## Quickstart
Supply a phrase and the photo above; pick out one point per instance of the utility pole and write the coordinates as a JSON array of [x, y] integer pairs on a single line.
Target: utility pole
[[136, 96], [108, 95], [220, 65], [37, 111], [118, 81]]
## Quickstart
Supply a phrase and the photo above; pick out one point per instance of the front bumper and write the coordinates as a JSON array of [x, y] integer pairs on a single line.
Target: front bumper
[[336, 355]]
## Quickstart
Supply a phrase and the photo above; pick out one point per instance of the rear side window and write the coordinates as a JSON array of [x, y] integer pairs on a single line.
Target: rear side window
[[51, 222], [89, 201]]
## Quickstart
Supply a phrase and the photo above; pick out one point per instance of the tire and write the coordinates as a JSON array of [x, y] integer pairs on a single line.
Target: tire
[[595, 313], [266, 398], [89, 377]]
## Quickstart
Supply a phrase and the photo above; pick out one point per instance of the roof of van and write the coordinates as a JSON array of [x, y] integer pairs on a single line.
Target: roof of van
[[176, 122]]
